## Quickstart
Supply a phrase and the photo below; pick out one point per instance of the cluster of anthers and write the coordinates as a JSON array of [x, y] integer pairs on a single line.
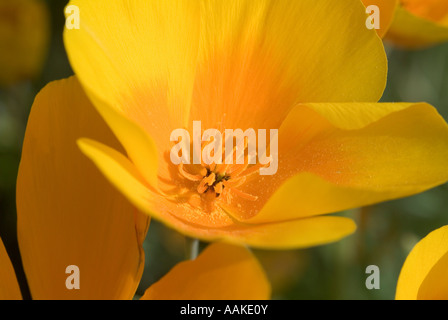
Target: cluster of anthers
[[217, 178]]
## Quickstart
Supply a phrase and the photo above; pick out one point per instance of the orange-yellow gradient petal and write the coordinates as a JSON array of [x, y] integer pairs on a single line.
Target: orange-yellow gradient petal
[[424, 273], [435, 285], [139, 58], [235, 63], [139, 146], [24, 35], [68, 214], [258, 59], [290, 234], [416, 26], [337, 156], [9, 287], [386, 13], [220, 272], [435, 10]]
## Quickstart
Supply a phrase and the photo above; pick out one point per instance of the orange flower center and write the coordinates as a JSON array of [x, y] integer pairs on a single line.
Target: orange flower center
[[215, 180]]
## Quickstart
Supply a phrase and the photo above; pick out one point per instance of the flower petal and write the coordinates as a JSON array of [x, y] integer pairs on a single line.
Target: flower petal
[[68, 214], [435, 285], [220, 272], [9, 287], [334, 157], [387, 11], [126, 178], [423, 275], [293, 234], [313, 196], [386, 147], [290, 234], [434, 10], [237, 60], [411, 31], [139, 59], [140, 147], [258, 59]]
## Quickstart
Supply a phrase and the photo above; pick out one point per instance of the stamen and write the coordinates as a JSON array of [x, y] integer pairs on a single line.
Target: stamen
[[187, 175], [204, 172], [239, 168], [202, 188], [244, 195], [216, 178], [221, 168], [206, 183], [219, 187], [235, 183]]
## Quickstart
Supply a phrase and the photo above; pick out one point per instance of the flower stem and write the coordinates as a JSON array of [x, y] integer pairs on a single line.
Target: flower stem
[[191, 248]]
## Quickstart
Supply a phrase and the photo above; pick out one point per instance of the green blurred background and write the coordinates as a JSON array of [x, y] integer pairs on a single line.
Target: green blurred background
[[386, 232]]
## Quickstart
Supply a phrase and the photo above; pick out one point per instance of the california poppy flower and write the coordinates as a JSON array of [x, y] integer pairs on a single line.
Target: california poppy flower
[[413, 23], [424, 273], [310, 69], [64, 218], [24, 37]]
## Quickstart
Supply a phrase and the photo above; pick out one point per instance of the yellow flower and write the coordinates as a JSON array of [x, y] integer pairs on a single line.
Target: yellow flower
[[310, 69], [220, 272], [68, 214], [24, 36], [424, 274], [415, 23]]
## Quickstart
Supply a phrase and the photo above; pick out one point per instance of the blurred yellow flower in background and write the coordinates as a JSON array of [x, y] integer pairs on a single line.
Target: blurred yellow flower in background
[[415, 23], [24, 39], [424, 275]]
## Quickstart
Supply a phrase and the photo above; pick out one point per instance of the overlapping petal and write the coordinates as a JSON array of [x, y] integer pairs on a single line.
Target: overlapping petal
[[424, 276], [68, 214], [334, 157], [217, 226], [258, 59], [9, 287], [220, 272], [220, 62], [434, 10], [231, 50], [415, 32], [137, 58], [412, 24]]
